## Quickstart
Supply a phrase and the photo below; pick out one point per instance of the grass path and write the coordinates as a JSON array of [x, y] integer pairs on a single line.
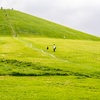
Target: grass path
[[30, 45], [13, 32]]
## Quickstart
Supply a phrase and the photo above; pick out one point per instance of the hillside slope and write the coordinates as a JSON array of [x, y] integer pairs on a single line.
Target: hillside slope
[[28, 25]]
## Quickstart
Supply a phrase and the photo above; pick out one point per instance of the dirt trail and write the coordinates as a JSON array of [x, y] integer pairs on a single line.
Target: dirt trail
[[28, 44]]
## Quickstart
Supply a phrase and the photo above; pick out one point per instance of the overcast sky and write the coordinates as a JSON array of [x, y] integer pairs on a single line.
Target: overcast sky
[[82, 15]]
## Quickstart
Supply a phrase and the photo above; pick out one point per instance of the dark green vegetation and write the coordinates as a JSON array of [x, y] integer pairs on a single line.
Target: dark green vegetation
[[74, 67]]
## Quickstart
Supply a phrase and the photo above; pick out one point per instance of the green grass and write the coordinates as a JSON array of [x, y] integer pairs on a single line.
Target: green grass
[[29, 56], [31, 72], [49, 88]]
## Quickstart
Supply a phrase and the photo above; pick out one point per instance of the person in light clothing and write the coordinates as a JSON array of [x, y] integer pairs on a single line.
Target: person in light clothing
[[54, 47]]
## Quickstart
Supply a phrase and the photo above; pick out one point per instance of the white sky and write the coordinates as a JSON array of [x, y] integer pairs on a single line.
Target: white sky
[[82, 15]]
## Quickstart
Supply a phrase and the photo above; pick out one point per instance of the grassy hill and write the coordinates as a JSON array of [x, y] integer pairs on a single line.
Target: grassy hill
[[72, 71], [27, 25]]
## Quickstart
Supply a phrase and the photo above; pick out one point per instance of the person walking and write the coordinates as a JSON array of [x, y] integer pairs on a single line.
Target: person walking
[[47, 47], [54, 47]]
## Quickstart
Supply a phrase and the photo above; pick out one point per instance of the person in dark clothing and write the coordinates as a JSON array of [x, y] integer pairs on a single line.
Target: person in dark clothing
[[47, 47]]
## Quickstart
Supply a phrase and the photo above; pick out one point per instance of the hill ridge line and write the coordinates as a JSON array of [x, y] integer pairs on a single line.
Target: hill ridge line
[[28, 25]]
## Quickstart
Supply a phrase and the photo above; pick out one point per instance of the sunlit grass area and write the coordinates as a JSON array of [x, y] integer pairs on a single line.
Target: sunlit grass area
[[49, 88], [29, 56]]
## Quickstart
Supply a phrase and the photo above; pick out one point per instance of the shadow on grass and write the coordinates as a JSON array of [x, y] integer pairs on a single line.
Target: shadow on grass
[[24, 64], [22, 68], [39, 74]]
